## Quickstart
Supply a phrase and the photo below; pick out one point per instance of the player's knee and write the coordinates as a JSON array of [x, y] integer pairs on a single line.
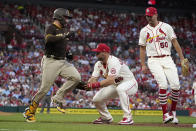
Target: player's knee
[[77, 77], [120, 90], [163, 87], [175, 87], [95, 100]]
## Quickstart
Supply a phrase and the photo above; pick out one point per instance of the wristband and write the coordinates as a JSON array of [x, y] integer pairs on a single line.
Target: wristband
[[94, 85]]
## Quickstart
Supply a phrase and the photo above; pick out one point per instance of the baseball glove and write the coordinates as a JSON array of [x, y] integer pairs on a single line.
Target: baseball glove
[[69, 55], [82, 86], [185, 67]]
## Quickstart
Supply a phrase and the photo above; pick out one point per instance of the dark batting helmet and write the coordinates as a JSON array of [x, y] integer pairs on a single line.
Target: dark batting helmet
[[60, 14]]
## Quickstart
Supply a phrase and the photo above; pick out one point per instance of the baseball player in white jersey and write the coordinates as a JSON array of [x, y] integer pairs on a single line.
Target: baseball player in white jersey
[[119, 81], [156, 40], [194, 90]]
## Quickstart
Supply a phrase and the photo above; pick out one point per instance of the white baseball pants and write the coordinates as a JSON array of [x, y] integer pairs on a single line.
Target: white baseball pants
[[164, 69], [195, 95], [123, 90]]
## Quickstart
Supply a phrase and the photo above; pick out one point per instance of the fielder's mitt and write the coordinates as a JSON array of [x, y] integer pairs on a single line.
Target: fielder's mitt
[[185, 67], [82, 86], [69, 55]]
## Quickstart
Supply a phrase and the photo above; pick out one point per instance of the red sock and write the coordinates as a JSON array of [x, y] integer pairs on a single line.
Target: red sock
[[174, 98], [163, 100]]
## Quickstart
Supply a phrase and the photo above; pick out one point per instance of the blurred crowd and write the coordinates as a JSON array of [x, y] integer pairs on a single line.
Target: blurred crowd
[[20, 62]]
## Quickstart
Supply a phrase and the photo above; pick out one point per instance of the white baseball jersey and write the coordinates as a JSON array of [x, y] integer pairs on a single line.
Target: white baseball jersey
[[129, 86], [157, 39], [194, 87], [114, 67]]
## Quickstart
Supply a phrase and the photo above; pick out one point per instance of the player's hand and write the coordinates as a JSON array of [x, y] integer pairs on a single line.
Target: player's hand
[[69, 55], [145, 69], [68, 35], [82, 86]]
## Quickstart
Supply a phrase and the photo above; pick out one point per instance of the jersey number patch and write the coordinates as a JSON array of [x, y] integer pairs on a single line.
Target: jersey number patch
[[164, 44], [113, 71]]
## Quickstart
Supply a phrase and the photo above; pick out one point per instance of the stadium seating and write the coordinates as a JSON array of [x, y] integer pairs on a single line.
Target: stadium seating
[[20, 62]]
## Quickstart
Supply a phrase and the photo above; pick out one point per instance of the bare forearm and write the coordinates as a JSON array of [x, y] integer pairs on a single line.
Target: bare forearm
[[142, 55], [93, 79], [178, 49], [107, 82]]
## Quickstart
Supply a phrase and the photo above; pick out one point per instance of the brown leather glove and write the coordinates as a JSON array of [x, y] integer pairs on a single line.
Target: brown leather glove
[[82, 86], [185, 67]]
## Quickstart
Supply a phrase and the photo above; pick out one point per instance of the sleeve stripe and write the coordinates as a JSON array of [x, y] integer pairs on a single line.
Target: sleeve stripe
[[47, 36]]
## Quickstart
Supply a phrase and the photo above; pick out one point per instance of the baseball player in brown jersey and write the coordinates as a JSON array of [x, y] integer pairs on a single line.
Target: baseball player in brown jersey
[[54, 63], [156, 40]]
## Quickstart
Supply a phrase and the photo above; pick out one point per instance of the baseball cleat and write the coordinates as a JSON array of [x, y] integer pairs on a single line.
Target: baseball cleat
[[59, 106], [61, 109], [102, 121], [167, 118], [126, 121], [30, 117], [175, 120], [26, 112]]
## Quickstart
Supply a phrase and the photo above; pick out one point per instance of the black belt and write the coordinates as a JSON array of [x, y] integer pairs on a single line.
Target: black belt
[[160, 56], [55, 57]]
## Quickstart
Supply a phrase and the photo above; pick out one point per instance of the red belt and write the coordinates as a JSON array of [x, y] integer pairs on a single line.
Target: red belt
[[160, 56]]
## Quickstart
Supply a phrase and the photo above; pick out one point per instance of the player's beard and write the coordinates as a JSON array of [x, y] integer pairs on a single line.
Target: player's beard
[[100, 59]]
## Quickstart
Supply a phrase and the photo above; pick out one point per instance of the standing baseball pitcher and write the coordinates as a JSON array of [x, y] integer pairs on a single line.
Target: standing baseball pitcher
[[194, 90], [156, 40], [54, 63], [119, 82]]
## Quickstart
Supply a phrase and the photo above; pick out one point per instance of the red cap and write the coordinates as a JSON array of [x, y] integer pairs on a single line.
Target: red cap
[[150, 11], [101, 47]]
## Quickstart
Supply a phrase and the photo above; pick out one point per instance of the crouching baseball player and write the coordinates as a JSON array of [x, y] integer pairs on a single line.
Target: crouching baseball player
[[119, 81]]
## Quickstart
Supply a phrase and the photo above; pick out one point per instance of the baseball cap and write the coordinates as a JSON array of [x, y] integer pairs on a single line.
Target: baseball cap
[[150, 11], [101, 47]]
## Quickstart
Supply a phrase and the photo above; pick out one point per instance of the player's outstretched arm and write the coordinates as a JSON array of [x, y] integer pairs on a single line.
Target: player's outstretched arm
[[109, 81], [143, 58]]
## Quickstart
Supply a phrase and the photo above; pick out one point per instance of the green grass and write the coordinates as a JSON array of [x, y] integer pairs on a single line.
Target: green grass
[[61, 122]]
